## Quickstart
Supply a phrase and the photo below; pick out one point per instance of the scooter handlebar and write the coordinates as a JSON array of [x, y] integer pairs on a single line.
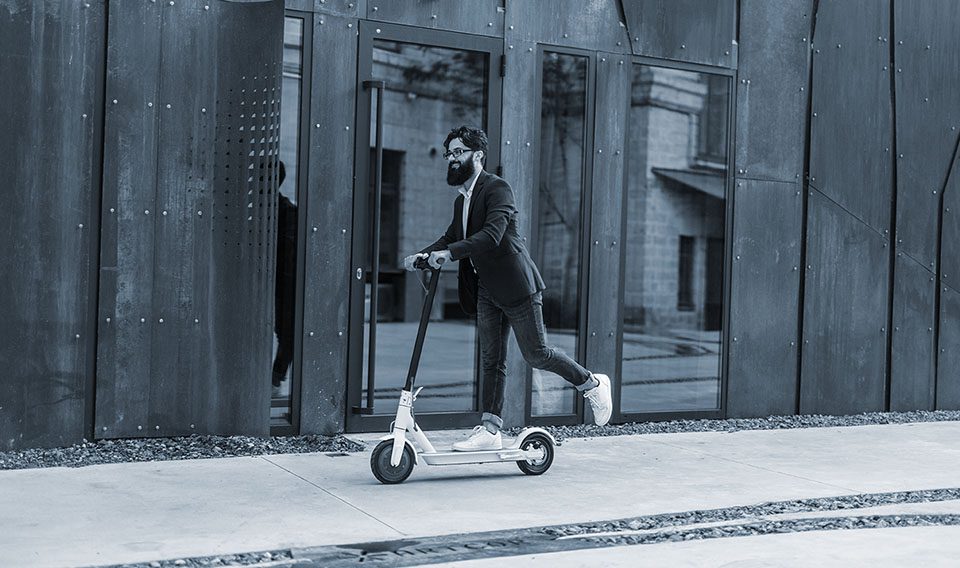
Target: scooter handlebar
[[422, 264]]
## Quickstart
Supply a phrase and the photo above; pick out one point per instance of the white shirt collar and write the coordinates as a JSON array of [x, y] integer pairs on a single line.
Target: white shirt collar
[[466, 193]]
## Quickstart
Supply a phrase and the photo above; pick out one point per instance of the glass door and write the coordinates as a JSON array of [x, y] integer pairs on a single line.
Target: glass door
[[676, 222], [414, 86]]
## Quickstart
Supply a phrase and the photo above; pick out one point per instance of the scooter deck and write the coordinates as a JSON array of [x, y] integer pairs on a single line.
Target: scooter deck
[[506, 454]]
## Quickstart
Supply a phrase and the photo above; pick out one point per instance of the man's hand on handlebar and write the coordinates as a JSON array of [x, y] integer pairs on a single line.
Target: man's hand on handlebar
[[438, 257], [410, 263]]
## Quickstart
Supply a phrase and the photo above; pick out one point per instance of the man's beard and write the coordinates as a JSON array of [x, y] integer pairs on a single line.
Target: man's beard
[[459, 176]]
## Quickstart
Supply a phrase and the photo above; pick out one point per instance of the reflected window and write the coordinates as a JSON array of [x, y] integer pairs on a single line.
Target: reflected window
[[429, 90], [558, 217], [675, 222], [286, 268]]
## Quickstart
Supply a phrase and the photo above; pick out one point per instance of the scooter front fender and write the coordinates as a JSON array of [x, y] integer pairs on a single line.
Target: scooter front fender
[[416, 458]]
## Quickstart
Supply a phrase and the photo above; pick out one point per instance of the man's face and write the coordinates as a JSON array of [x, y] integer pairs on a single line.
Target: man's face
[[459, 168]]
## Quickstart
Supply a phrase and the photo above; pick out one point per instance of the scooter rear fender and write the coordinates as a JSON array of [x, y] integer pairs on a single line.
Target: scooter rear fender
[[527, 431]]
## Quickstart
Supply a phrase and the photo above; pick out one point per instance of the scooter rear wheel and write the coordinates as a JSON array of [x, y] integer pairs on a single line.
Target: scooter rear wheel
[[380, 463], [536, 441]]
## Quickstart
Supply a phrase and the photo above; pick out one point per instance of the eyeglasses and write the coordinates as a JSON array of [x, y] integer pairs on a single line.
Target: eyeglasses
[[456, 153]]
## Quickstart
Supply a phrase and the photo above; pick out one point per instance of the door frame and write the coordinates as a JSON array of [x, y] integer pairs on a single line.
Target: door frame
[[586, 206], [369, 32], [303, 195], [720, 412]]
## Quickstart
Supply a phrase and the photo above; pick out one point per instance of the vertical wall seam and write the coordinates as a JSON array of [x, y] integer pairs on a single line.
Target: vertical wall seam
[[891, 277], [952, 170], [804, 215], [96, 256]]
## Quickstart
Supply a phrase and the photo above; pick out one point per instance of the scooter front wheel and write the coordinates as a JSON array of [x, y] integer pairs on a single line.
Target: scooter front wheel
[[541, 444], [380, 463]]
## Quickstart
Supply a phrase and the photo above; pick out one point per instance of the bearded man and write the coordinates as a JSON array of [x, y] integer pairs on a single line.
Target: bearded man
[[499, 282]]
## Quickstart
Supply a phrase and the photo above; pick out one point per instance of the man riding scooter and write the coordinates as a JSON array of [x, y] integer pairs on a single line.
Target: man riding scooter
[[499, 282]]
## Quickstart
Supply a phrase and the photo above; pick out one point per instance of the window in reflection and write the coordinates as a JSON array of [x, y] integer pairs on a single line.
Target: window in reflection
[[429, 91], [286, 268], [558, 218], [673, 288]]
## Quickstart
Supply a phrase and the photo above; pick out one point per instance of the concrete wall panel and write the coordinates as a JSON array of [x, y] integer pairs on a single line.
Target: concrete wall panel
[[327, 258], [52, 67], [346, 8], [950, 229], [762, 376], [928, 117], [851, 133], [585, 24], [844, 313], [948, 365], [911, 370], [683, 30], [772, 91], [189, 212], [481, 17], [948, 347]]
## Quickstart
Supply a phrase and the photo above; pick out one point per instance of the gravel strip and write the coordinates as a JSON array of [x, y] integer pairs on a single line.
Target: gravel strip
[[750, 512], [781, 527], [738, 424], [163, 449], [202, 446], [262, 559]]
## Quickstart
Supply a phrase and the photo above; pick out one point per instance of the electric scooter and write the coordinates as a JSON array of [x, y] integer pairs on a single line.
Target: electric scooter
[[397, 453]]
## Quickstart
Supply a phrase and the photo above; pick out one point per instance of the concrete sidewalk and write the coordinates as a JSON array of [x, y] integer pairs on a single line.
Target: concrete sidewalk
[[124, 513]]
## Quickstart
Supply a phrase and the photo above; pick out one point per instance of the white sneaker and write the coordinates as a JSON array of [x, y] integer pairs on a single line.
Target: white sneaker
[[480, 439], [601, 402]]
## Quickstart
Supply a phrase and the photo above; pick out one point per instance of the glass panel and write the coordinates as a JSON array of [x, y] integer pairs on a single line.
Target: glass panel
[[673, 286], [562, 137], [429, 91], [286, 269]]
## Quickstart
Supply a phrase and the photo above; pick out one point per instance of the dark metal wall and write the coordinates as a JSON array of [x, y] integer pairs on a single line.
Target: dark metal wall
[[881, 126], [850, 184], [189, 218], [51, 64], [772, 92], [927, 59]]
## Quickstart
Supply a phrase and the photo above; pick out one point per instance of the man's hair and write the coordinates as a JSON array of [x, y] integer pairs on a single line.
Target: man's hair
[[473, 138]]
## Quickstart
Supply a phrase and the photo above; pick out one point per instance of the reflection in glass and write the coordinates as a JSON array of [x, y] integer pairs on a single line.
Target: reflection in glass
[[673, 285], [429, 91], [286, 268], [558, 218]]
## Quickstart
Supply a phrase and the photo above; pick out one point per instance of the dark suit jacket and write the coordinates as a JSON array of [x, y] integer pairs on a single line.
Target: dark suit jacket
[[492, 252]]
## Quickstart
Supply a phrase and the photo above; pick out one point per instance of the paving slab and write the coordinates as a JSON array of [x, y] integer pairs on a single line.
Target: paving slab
[[133, 512], [859, 458]]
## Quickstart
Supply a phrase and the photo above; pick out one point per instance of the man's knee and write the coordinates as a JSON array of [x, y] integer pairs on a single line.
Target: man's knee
[[538, 357]]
